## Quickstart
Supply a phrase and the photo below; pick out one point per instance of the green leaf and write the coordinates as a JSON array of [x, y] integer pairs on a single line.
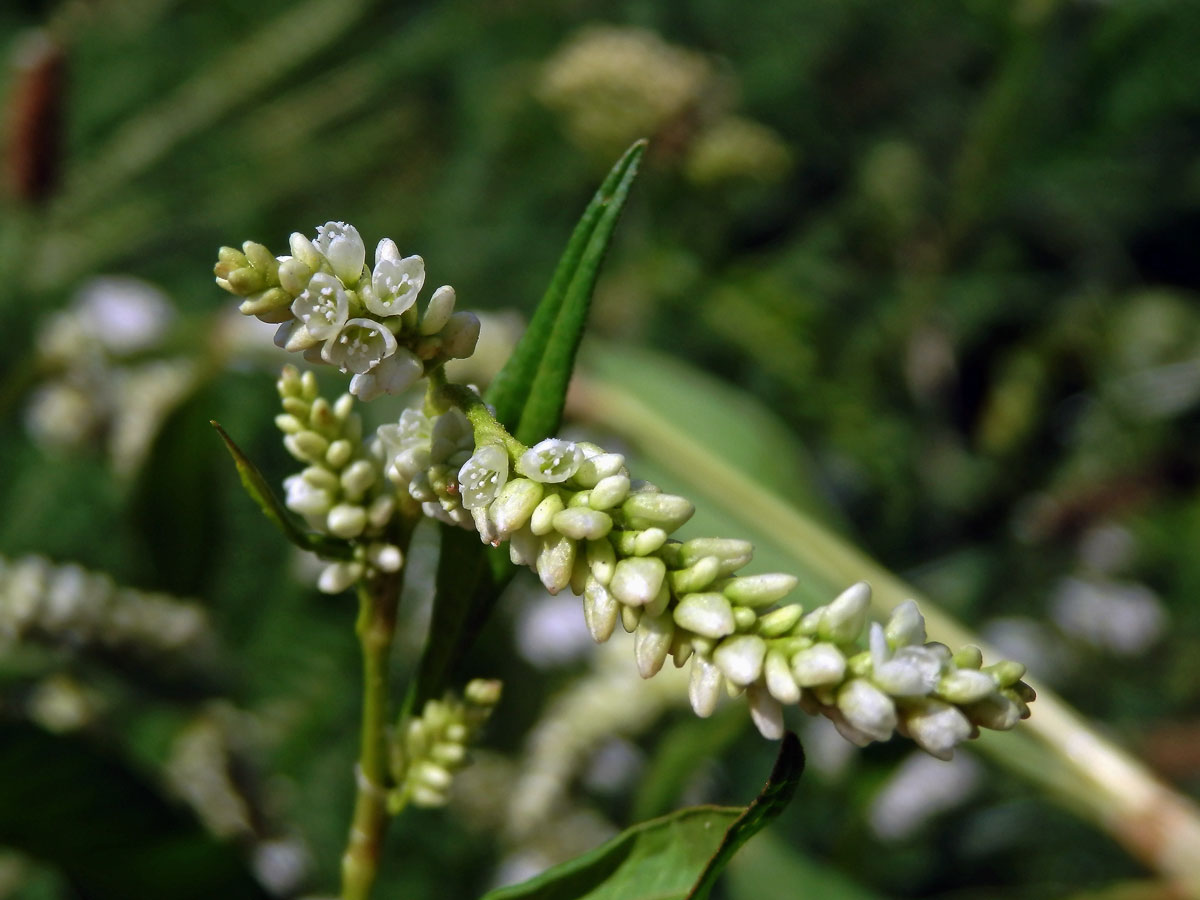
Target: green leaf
[[530, 390], [771, 801], [674, 857], [114, 836], [260, 492]]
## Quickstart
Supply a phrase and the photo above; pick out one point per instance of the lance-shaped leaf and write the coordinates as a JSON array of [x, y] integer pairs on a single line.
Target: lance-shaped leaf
[[529, 391], [260, 492], [674, 857]]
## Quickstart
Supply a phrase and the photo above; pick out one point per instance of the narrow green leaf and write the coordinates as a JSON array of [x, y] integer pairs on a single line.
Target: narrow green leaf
[[771, 801], [260, 492], [529, 391], [673, 857], [113, 835]]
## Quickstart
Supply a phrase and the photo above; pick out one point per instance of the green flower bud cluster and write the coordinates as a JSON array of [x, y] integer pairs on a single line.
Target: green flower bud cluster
[[335, 309], [572, 513], [430, 748], [342, 491], [423, 455], [70, 606]]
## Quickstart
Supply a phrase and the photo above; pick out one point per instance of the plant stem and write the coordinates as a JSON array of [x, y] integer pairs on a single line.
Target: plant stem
[[378, 597]]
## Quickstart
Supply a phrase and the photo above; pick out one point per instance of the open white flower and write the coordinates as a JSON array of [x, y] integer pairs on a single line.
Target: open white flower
[[394, 375], [550, 461], [341, 245], [322, 306], [360, 346], [483, 475], [394, 285]]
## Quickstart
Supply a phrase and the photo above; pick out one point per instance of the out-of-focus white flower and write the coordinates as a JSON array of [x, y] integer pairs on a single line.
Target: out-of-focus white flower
[[124, 314]]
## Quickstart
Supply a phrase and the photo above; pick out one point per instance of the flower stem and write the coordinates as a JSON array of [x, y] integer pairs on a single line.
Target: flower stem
[[378, 597], [487, 430]]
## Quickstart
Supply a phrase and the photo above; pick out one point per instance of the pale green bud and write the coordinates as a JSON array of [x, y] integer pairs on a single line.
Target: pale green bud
[[340, 452], [580, 575], [381, 510], [320, 477], [541, 522], [741, 658], [307, 446], [271, 305], [779, 679], [579, 499], [1006, 672], [844, 619], [665, 511], [758, 591], [555, 562], [514, 505], [965, 686], [779, 622], [385, 557], [697, 576], [295, 407], [630, 616], [996, 711], [867, 709], [765, 712], [637, 581], [294, 276], [906, 626], [460, 335], [524, 547], [438, 311], [600, 610], [338, 576], [304, 250], [969, 657], [582, 524], [661, 601], [732, 553], [819, 664], [357, 478], [908, 672], [293, 337], [937, 727], [707, 614], [602, 560], [346, 520], [609, 492], [652, 642], [596, 468], [744, 618], [704, 686], [290, 424]]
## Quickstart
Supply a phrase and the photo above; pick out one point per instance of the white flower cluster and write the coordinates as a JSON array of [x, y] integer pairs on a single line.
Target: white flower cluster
[[72, 607], [573, 514], [431, 747], [335, 309], [423, 455], [342, 491]]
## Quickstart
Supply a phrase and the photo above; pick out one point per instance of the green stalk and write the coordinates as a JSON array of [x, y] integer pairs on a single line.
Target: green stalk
[[1090, 773], [378, 598]]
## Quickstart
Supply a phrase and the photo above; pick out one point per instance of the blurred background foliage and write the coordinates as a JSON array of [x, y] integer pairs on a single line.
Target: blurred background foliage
[[940, 258]]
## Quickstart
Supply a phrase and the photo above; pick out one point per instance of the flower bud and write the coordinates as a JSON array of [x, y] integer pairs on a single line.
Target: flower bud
[[514, 505], [304, 250], [906, 626], [294, 276], [609, 492], [759, 591], [600, 610], [357, 478], [438, 311], [696, 577], [541, 522], [652, 642], [964, 686], [306, 446], [969, 657], [460, 335], [819, 664], [582, 524], [338, 576], [741, 657], [778, 622], [555, 562], [665, 511], [602, 561], [708, 615], [637, 581], [779, 679], [704, 686], [844, 619], [937, 727], [732, 553], [765, 712], [346, 521], [867, 708], [596, 468], [1006, 672]]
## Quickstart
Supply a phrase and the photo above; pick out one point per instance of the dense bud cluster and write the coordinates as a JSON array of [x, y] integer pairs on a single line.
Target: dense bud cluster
[[431, 747], [423, 455], [572, 513], [70, 606], [335, 309]]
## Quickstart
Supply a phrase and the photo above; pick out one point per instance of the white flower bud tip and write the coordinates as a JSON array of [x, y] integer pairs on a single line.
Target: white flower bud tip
[[708, 615], [637, 581], [438, 311], [819, 664], [845, 618], [741, 658], [346, 521], [906, 626], [652, 642], [555, 561], [779, 680], [704, 686], [600, 611], [867, 708], [514, 505], [765, 712], [341, 245], [937, 728]]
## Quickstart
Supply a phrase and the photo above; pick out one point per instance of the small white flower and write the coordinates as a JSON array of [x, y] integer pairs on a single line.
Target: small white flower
[[395, 284], [551, 461], [361, 345], [342, 246], [386, 249], [394, 375], [483, 475], [322, 306]]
